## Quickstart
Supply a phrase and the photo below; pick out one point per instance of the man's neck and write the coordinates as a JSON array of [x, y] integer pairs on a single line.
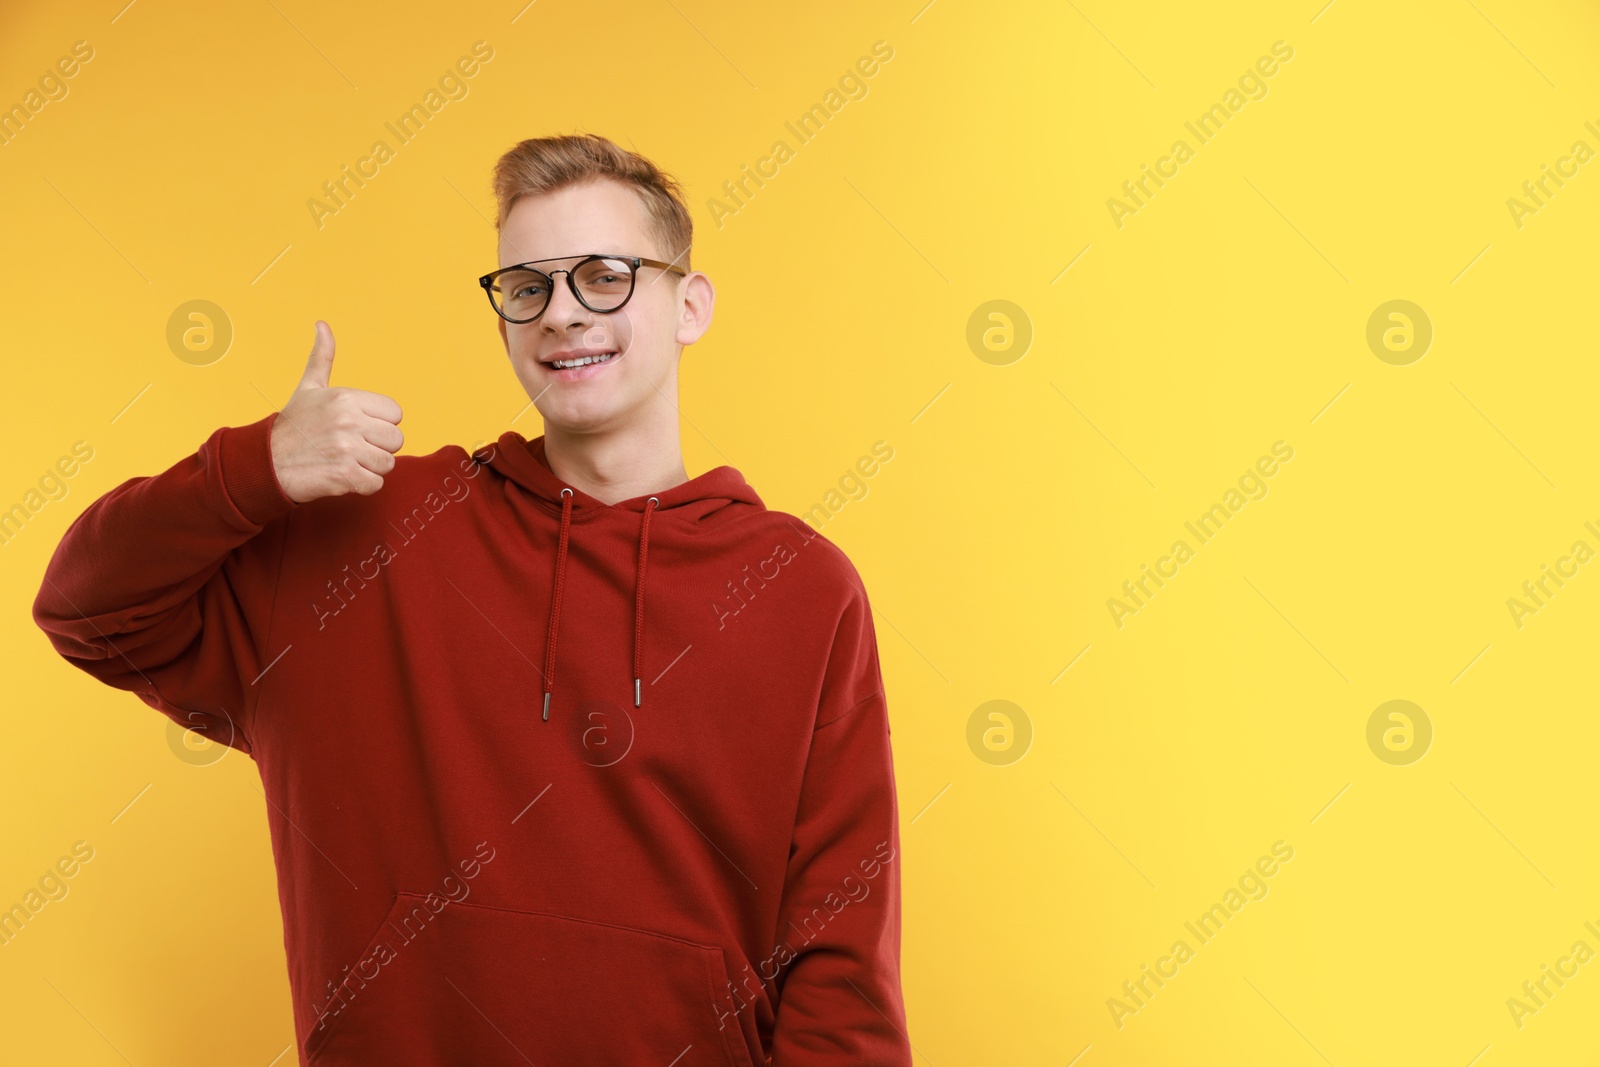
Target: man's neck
[[618, 466]]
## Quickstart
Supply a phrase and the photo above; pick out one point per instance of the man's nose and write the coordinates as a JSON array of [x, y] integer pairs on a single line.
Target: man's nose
[[564, 305]]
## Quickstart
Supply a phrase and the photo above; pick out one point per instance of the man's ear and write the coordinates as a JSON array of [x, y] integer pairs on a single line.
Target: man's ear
[[699, 297]]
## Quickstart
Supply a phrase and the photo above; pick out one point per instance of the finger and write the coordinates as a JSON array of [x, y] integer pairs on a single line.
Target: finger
[[386, 435], [362, 481], [319, 365], [376, 404], [374, 459]]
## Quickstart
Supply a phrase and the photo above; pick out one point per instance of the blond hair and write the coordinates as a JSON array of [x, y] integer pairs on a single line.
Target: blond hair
[[546, 164]]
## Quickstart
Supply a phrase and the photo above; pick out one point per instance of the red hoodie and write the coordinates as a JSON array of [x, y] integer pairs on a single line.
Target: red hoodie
[[549, 781]]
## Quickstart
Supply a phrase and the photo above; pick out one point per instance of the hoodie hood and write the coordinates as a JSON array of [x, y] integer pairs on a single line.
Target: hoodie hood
[[696, 501]]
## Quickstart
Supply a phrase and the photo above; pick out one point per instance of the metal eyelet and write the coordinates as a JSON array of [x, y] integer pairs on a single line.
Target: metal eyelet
[[565, 491]]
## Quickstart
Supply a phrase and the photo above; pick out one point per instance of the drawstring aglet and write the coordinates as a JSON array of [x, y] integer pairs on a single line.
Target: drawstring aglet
[[636, 692], [547, 705]]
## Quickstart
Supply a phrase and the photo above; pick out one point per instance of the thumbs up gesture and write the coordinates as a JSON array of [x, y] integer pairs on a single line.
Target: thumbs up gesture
[[327, 440]]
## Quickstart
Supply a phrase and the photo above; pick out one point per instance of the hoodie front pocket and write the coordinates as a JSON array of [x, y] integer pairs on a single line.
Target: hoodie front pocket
[[470, 983]]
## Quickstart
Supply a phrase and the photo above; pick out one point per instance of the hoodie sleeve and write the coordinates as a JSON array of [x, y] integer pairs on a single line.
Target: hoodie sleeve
[[164, 585], [839, 999]]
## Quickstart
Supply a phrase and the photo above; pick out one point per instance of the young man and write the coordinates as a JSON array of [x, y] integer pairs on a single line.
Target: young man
[[569, 758]]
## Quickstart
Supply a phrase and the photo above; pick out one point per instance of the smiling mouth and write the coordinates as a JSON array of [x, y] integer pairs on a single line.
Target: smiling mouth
[[591, 359], [582, 361]]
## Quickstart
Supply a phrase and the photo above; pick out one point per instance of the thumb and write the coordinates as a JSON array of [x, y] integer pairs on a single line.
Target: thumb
[[320, 364]]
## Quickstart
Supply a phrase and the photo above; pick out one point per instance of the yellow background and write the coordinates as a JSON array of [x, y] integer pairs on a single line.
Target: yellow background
[[1225, 315]]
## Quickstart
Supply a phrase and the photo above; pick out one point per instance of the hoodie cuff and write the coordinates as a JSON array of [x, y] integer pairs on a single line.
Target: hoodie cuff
[[245, 457]]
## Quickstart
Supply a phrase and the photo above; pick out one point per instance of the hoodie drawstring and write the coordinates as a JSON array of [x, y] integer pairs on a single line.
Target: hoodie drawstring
[[555, 599], [638, 600]]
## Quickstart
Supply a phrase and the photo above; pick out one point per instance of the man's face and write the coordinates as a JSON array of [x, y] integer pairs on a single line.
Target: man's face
[[606, 217]]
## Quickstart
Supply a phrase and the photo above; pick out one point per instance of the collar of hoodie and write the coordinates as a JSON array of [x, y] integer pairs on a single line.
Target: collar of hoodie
[[693, 503]]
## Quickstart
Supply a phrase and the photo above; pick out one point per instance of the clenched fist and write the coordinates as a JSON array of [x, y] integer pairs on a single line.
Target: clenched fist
[[329, 441]]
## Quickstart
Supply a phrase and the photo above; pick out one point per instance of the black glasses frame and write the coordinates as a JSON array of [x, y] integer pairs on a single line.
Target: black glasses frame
[[490, 288]]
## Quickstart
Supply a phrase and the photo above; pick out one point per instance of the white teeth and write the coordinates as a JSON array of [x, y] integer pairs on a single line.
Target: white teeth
[[581, 361]]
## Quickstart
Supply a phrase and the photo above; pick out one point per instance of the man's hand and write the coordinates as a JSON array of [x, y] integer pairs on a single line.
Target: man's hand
[[329, 441]]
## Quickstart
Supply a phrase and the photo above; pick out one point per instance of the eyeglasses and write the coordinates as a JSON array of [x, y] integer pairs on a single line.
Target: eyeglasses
[[601, 283]]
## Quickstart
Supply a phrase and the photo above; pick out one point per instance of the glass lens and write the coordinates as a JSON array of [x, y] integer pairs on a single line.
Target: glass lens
[[604, 283], [522, 293]]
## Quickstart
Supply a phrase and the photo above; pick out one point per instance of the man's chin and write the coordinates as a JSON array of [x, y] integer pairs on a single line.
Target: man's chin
[[580, 414]]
